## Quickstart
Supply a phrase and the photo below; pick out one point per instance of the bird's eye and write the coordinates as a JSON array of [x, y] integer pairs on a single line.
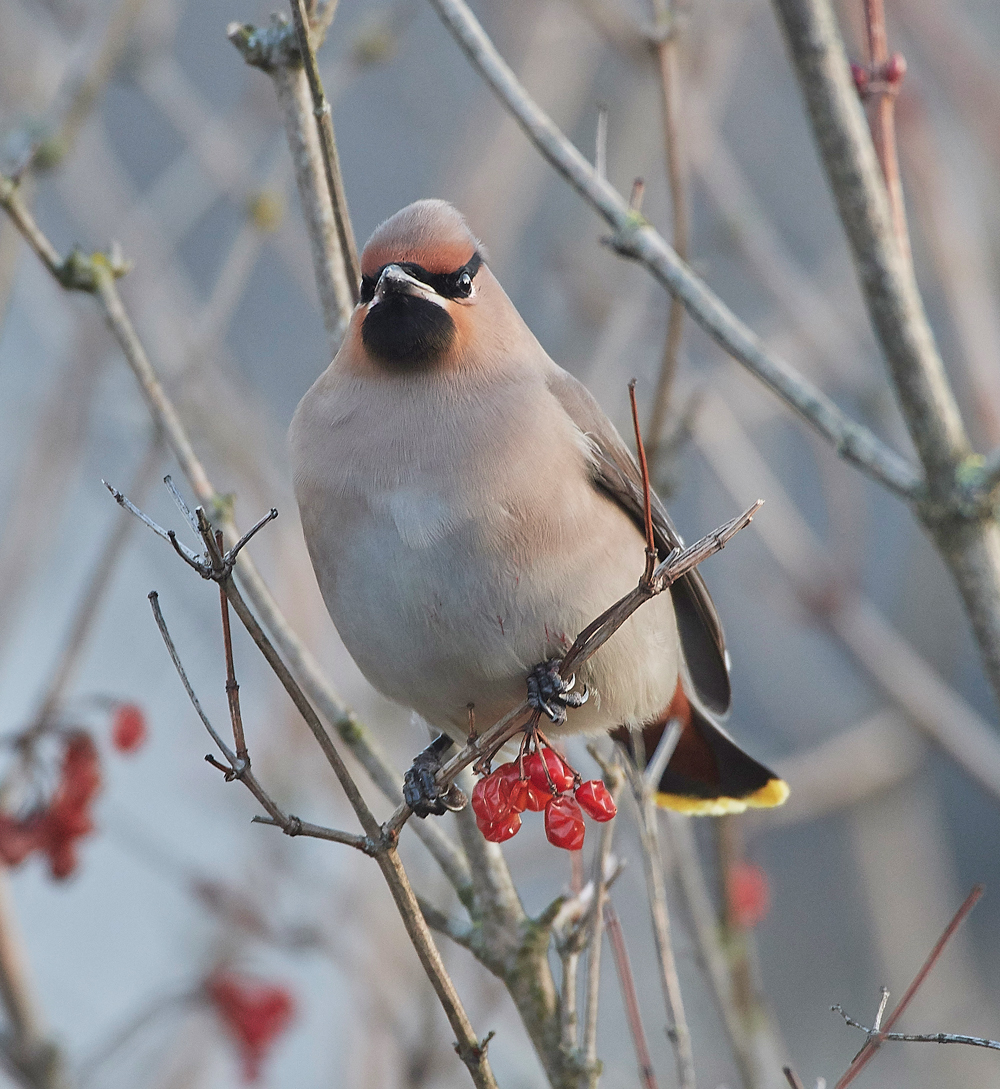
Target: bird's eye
[[367, 289], [464, 285]]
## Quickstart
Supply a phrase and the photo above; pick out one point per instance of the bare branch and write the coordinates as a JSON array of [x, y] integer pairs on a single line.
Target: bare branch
[[882, 89], [331, 161], [963, 525], [867, 1053], [635, 238], [295, 826], [154, 601], [920, 1038], [600, 880], [383, 849], [665, 44], [646, 1073], [276, 50], [792, 1078], [703, 918], [31, 1056], [890, 292], [460, 932], [678, 1031]]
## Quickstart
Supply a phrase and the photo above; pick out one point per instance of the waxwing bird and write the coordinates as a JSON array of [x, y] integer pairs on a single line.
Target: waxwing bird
[[469, 508]]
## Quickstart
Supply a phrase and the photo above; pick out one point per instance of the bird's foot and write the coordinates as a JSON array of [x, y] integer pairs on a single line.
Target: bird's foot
[[420, 787], [549, 693]]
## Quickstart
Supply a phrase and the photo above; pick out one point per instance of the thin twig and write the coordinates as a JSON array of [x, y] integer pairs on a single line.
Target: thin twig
[[601, 143], [232, 687], [919, 1038], [792, 1078], [678, 1031], [31, 1056], [613, 778], [569, 959], [328, 144], [14, 206], [703, 918], [636, 239], [882, 117], [647, 503], [239, 767], [154, 601], [624, 967], [867, 1053], [275, 50], [664, 41]]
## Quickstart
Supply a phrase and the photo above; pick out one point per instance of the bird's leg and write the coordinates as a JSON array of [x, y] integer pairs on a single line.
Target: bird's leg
[[550, 694], [420, 788]]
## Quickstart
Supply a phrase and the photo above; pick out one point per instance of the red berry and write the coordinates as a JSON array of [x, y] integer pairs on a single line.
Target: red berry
[[564, 823], [537, 799], [861, 77], [521, 793], [596, 800], [559, 777], [255, 1014], [512, 787], [480, 805], [748, 894], [488, 802], [128, 727], [502, 829]]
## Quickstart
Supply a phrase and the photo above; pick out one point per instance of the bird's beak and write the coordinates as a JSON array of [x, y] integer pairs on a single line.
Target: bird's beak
[[397, 281]]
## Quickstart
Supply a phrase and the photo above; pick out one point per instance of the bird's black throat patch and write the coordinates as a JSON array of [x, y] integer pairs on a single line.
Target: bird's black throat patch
[[407, 332]]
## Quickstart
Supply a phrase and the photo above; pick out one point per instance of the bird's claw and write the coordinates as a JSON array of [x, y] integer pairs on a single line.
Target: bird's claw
[[549, 693], [420, 787]]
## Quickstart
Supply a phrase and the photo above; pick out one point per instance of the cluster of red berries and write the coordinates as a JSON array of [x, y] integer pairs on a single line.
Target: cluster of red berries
[[540, 780], [254, 1013], [53, 828]]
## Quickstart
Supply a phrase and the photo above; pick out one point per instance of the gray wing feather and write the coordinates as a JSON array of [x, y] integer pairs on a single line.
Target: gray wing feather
[[616, 474]]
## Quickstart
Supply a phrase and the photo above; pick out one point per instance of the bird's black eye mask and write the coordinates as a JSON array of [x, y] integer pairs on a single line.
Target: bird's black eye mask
[[449, 285]]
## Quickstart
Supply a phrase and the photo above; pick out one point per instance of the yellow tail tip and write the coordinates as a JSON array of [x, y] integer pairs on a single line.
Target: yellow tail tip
[[774, 792]]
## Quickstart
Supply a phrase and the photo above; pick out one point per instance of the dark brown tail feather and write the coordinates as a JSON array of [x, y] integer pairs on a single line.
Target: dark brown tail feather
[[708, 772]]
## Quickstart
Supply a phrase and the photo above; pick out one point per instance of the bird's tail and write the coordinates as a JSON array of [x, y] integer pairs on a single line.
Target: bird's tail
[[708, 773]]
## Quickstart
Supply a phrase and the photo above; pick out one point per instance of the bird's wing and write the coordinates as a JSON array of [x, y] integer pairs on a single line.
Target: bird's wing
[[615, 473]]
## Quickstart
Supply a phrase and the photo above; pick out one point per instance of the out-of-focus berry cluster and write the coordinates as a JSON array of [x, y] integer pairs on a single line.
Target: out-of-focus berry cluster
[[55, 819], [254, 1014]]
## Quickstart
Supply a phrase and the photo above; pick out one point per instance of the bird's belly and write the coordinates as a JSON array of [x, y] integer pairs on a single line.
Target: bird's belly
[[442, 613]]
